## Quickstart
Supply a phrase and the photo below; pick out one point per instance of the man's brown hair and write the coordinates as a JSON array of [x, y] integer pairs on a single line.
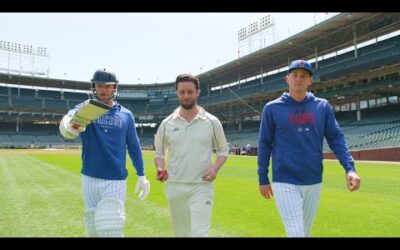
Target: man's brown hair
[[187, 78]]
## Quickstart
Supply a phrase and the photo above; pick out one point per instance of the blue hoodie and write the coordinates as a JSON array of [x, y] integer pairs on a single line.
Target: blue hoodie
[[105, 142], [294, 132]]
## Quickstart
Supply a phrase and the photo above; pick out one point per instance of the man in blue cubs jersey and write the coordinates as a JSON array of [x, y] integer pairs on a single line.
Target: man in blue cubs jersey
[[292, 129], [104, 145]]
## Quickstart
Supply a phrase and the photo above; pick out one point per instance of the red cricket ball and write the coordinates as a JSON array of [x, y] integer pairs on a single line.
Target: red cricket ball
[[161, 173]]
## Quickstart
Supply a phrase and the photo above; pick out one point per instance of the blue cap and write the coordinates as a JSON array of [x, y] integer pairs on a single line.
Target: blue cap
[[301, 64]]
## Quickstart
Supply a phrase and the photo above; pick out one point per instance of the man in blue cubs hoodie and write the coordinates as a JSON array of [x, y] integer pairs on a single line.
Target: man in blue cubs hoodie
[[105, 142], [293, 128]]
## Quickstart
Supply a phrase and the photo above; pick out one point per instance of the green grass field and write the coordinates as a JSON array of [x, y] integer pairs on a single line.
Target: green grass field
[[40, 196]]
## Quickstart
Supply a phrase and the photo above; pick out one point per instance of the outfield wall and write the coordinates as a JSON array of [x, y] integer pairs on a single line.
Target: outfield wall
[[384, 154]]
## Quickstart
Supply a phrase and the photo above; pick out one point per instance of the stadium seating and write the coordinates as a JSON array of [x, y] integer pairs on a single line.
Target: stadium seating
[[379, 127]]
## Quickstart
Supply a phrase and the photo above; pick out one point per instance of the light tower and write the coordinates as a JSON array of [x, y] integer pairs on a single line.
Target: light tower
[[24, 59], [257, 35]]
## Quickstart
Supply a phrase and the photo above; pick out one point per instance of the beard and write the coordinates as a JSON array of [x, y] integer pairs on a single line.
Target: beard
[[188, 105], [104, 97]]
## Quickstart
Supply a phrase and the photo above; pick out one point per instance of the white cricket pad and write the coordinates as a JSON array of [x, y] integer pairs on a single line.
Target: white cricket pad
[[89, 222], [109, 218]]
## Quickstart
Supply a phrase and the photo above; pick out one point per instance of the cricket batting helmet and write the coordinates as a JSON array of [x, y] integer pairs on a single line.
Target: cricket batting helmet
[[103, 76]]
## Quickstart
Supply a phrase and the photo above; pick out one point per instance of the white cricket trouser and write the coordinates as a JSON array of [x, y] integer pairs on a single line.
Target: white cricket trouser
[[190, 206], [95, 189], [297, 206]]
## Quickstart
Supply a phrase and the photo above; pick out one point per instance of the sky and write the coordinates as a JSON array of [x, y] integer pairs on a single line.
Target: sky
[[138, 47]]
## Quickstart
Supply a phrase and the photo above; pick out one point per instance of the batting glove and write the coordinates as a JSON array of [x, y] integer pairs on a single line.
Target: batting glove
[[142, 187], [79, 127]]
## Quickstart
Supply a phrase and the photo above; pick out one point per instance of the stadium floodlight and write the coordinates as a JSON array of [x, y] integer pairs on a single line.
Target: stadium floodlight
[[259, 28], [242, 34], [22, 48], [24, 58], [41, 51], [253, 28], [266, 22]]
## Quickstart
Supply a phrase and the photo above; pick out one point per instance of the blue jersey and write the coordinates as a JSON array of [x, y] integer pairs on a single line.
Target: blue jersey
[[105, 142], [294, 132]]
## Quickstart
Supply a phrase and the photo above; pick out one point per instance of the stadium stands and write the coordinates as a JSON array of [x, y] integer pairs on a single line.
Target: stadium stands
[[29, 116]]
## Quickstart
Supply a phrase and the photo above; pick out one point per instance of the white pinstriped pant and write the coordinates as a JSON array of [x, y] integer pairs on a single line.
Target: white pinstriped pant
[[297, 206], [95, 189]]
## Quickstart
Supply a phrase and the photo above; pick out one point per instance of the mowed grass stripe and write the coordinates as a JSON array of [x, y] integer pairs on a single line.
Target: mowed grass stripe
[[239, 209], [38, 199], [148, 218], [143, 218]]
